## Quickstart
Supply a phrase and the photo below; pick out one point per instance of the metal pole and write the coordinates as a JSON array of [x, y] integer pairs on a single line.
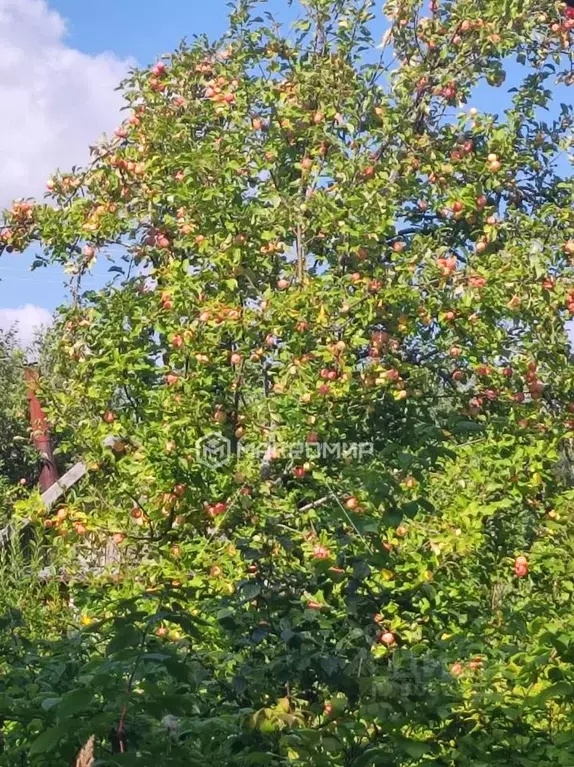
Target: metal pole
[[40, 432]]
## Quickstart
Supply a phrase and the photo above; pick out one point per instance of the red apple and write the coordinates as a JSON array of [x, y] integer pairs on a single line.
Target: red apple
[[387, 638]]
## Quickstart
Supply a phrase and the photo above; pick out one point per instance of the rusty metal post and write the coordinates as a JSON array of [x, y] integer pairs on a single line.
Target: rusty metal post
[[40, 432]]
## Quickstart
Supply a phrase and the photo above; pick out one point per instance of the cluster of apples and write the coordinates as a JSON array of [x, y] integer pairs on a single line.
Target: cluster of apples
[[214, 510], [157, 239], [535, 385], [129, 166], [156, 80], [473, 664], [6, 235], [94, 219], [60, 518], [22, 211], [493, 163], [446, 265], [223, 314], [221, 90]]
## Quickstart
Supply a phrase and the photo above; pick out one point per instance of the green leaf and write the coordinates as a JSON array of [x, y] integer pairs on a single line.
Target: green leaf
[[48, 740], [555, 691], [415, 748], [74, 701]]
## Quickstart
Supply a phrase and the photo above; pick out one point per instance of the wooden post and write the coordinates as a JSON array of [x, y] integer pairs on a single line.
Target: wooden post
[[41, 432]]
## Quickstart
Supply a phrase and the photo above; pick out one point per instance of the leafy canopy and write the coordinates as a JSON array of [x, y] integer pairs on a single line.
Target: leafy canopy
[[315, 241]]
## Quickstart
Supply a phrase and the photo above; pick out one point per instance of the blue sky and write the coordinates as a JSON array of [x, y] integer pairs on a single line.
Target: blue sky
[[142, 28]]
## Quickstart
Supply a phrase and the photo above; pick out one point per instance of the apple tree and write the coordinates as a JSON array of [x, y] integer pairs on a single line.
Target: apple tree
[[323, 399]]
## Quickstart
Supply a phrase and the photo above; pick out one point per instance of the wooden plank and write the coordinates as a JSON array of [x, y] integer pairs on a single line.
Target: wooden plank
[[53, 493]]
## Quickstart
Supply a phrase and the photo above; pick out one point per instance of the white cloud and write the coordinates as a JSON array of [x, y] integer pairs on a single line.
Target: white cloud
[[27, 320], [55, 101]]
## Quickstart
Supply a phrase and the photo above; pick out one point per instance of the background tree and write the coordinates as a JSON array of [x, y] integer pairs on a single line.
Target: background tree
[[18, 460], [313, 247]]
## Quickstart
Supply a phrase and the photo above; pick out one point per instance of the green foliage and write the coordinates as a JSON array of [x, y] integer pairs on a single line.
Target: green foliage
[[18, 461], [312, 250]]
